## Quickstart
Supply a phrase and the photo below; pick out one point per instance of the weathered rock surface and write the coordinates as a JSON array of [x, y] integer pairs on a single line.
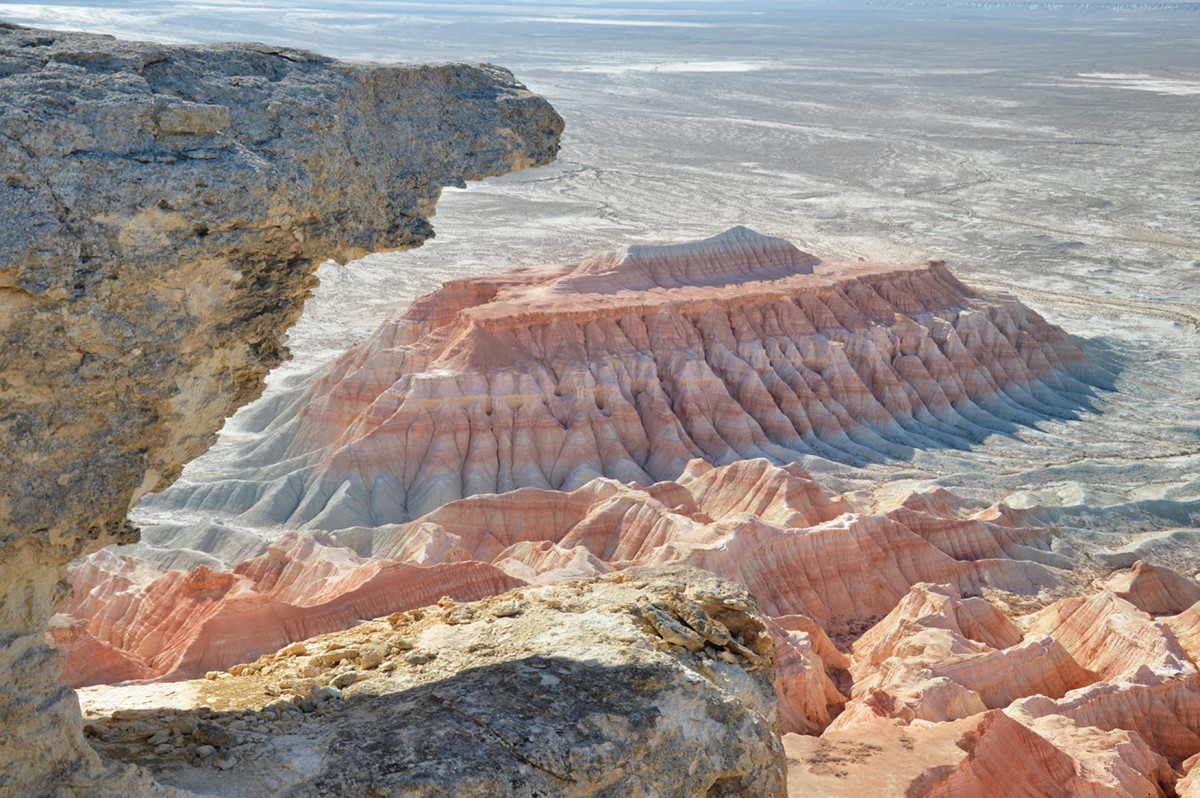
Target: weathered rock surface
[[1005, 757], [1153, 588], [647, 682], [1113, 638], [486, 398], [185, 623], [1088, 697], [630, 365], [164, 210]]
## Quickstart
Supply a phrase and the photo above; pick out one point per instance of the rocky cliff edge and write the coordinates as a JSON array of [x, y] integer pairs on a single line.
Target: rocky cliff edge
[[165, 209]]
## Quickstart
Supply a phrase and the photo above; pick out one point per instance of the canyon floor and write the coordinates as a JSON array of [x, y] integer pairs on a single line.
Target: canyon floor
[[1041, 570]]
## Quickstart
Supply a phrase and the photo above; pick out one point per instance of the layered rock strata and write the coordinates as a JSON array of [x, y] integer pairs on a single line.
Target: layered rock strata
[[630, 365], [815, 563], [648, 682], [164, 209], [1089, 696]]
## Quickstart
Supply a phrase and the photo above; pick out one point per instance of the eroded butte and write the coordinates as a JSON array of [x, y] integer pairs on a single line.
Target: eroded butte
[[630, 365], [650, 408]]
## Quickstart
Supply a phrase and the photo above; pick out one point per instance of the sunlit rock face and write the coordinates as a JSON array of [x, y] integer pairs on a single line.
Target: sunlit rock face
[[165, 208], [645, 682], [631, 364], [632, 409], [647, 408]]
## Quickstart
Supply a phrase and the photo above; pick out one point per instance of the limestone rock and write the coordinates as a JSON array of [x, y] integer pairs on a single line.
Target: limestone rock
[[579, 694], [164, 210]]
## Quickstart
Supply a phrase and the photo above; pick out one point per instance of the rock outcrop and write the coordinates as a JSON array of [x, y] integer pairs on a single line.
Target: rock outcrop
[[165, 208], [647, 682], [1005, 757], [630, 365], [1089, 696], [1153, 588]]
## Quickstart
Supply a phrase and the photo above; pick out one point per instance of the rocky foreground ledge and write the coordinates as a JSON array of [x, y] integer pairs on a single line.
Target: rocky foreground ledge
[[649, 682], [165, 208]]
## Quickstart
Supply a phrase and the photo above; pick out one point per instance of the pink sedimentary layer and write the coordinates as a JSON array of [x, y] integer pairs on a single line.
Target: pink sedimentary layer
[[629, 366], [634, 409], [129, 620], [1093, 686], [812, 560]]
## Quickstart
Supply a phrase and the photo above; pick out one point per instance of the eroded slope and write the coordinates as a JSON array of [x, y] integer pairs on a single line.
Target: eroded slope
[[632, 364]]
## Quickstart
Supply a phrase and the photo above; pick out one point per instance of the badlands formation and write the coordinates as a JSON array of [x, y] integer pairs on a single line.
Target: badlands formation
[[652, 408], [607, 517], [568, 420]]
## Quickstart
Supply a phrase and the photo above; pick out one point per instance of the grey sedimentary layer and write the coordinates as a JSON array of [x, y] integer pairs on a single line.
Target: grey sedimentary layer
[[164, 210]]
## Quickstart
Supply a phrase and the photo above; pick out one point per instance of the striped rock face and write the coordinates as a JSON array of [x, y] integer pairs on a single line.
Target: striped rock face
[[632, 364], [656, 407]]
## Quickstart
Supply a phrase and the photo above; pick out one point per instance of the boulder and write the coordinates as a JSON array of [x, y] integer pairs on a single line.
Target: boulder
[[591, 688]]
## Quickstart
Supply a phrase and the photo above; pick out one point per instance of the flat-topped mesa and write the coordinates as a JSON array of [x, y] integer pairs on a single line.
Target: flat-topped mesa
[[630, 365], [164, 209]]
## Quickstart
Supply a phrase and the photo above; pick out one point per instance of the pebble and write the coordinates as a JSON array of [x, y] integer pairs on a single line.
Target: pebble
[[344, 680], [506, 609], [372, 656], [334, 657], [458, 615], [182, 725], [209, 733], [325, 693]]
